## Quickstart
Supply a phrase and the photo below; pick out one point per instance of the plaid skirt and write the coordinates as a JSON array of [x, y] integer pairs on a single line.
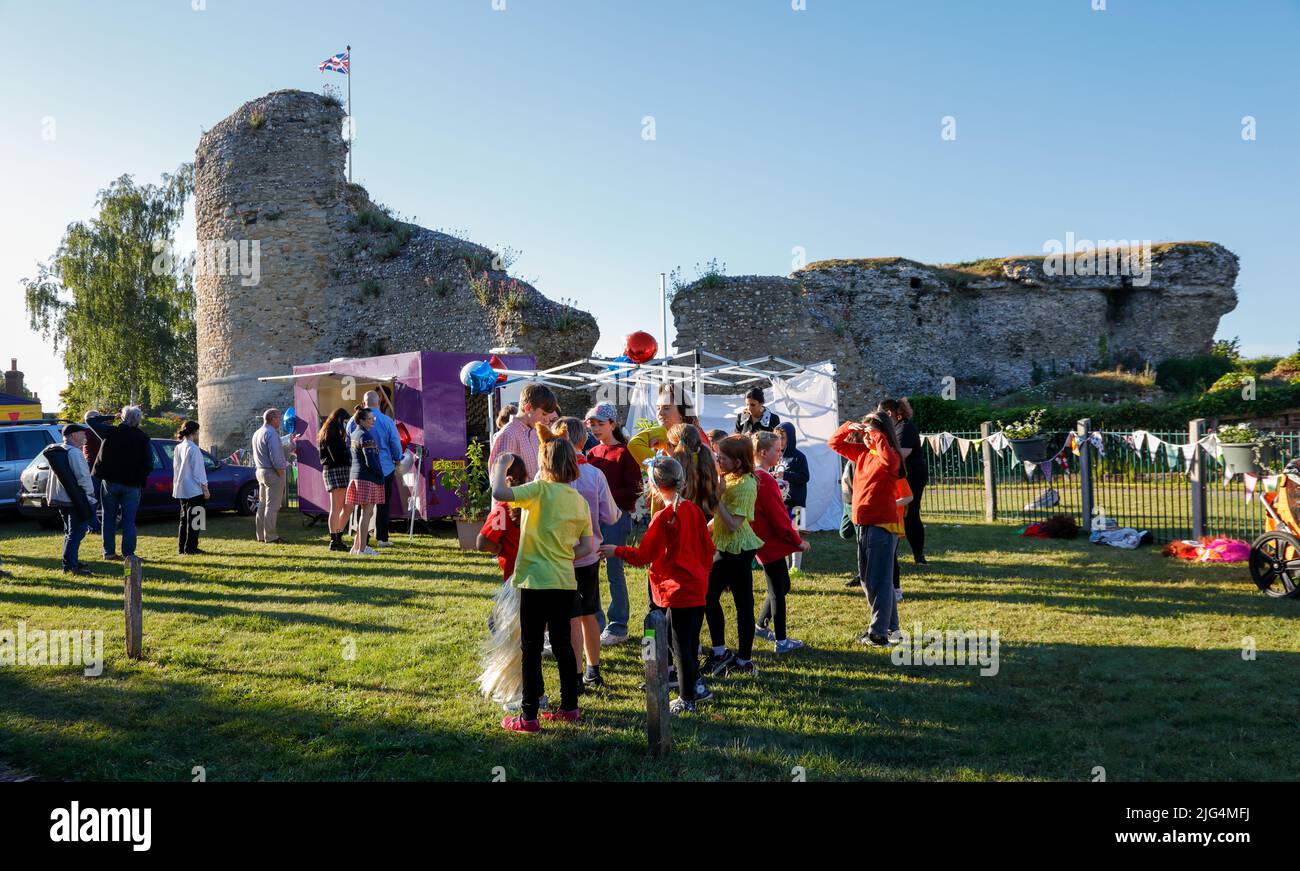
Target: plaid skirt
[[336, 477], [364, 493]]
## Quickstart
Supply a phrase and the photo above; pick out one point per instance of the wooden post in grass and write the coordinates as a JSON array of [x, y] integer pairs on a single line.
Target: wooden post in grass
[[132, 607], [990, 484], [1084, 429], [656, 656], [1196, 475]]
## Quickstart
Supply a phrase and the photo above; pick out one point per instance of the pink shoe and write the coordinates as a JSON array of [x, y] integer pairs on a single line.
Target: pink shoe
[[519, 724], [573, 716]]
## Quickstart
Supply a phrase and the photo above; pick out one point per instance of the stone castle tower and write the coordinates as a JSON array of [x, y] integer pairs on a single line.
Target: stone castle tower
[[296, 265]]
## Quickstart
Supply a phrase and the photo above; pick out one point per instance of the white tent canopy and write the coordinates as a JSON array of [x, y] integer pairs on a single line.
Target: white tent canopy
[[804, 395]]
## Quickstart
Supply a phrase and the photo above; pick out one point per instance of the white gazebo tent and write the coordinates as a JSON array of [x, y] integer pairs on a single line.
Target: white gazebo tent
[[804, 395]]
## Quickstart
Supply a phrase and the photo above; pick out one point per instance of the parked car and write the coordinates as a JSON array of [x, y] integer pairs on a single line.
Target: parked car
[[233, 488], [20, 443]]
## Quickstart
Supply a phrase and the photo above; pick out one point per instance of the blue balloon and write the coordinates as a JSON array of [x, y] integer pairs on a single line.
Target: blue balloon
[[622, 358], [290, 420], [481, 378]]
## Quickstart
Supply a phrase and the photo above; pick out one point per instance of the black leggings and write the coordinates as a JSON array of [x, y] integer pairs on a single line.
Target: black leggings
[[777, 574], [537, 609], [912, 524], [684, 641], [192, 521], [734, 570]]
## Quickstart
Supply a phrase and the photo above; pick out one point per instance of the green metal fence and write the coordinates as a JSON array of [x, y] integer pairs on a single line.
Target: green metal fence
[[1144, 486]]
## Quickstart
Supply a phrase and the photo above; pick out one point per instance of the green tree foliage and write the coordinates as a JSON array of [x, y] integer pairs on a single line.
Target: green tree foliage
[[114, 303]]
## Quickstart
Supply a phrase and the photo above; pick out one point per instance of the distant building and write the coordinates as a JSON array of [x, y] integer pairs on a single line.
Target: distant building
[[15, 403]]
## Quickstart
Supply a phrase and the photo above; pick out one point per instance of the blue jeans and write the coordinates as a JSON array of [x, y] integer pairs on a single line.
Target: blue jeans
[[876, 572], [95, 484], [128, 499], [619, 608], [74, 530]]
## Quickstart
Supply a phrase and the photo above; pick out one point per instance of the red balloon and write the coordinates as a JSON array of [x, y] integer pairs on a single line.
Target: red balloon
[[495, 363], [403, 435], [640, 347]]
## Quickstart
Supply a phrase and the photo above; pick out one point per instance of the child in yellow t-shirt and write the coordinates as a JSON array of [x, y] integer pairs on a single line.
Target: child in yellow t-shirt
[[733, 564], [554, 530]]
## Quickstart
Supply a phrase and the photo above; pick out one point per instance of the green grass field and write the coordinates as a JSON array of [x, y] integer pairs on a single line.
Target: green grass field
[[1123, 660]]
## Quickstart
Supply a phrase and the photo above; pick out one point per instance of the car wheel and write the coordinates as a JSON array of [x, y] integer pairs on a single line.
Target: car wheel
[[246, 499]]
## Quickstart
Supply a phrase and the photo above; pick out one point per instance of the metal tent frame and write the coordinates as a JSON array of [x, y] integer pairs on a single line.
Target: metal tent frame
[[699, 368]]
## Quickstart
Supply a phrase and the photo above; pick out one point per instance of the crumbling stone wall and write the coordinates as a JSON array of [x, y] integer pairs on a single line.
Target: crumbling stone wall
[[337, 277], [895, 327]]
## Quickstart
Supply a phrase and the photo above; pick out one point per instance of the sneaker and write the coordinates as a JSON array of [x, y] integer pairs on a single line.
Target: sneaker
[[592, 681], [338, 545], [869, 640], [79, 571], [852, 582], [788, 645], [764, 633], [113, 557], [715, 664], [702, 693], [898, 594], [518, 724], [369, 551], [681, 706], [383, 544], [609, 639], [574, 716], [735, 666], [896, 637], [366, 552]]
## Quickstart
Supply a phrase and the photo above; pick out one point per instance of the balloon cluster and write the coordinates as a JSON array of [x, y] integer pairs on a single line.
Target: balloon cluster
[[479, 377]]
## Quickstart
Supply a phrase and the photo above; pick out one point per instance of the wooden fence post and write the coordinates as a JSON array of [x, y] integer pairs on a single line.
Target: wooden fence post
[[132, 607], [1084, 429], [656, 656], [1196, 475], [990, 485]]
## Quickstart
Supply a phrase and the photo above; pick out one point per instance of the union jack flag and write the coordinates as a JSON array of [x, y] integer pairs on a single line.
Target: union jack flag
[[338, 63]]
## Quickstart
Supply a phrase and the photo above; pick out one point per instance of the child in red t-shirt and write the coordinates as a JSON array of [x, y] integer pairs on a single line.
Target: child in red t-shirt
[[678, 547], [500, 532]]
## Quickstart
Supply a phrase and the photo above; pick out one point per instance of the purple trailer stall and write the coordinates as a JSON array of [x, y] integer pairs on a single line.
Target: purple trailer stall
[[423, 394]]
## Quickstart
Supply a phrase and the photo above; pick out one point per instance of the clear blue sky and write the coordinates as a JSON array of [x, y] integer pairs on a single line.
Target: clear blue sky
[[775, 128]]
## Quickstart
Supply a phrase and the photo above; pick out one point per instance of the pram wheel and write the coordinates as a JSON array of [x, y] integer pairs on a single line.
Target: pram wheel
[[1275, 564]]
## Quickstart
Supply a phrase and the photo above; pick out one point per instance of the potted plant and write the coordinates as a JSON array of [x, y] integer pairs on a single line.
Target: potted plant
[[469, 481], [1237, 442], [1027, 440]]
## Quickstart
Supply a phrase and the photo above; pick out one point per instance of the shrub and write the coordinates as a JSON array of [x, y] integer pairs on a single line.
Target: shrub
[[1191, 374], [257, 119], [470, 482], [1026, 428]]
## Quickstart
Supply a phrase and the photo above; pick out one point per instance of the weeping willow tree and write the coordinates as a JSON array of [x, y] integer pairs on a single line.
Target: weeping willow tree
[[115, 303]]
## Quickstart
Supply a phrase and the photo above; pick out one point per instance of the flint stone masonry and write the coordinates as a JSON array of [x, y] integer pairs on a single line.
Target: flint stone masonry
[[333, 284], [897, 327]]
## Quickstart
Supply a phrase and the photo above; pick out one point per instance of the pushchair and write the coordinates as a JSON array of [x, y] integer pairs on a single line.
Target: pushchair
[[1275, 555]]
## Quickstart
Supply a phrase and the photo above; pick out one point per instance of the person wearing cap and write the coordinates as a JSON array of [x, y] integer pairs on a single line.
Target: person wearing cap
[[611, 456], [756, 417], [69, 489]]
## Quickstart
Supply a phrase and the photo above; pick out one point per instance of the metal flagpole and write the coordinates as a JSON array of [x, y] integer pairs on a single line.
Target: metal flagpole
[[352, 130]]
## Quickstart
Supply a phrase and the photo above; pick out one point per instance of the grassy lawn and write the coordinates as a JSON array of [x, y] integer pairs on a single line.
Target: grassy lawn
[[1116, 659]]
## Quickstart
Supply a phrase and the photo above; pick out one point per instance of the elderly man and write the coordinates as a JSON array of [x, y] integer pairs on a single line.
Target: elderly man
[[268, 458], [385, 435], [125, 460], [68, 489], [96, 423]]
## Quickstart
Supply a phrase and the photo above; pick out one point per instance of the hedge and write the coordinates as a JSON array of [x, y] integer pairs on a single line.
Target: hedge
[[935, 414]]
